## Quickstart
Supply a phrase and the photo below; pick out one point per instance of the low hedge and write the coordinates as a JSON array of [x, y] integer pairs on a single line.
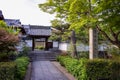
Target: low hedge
[[68, 62], [21, 67], [14, 70], [97, 69], [103, 69], [7, 70]]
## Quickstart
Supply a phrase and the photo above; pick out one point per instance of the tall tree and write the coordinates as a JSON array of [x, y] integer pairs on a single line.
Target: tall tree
[[103, 14], [60, 8]]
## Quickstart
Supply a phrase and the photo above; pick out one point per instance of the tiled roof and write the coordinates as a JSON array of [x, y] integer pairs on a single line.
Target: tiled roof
[[26, 28], [36, 30], [13, 22]]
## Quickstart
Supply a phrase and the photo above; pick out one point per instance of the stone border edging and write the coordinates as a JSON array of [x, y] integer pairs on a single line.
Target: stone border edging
[[28, 73], [63, 70]]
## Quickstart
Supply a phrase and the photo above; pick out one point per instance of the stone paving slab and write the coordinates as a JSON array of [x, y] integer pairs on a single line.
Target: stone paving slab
[[45, 70]]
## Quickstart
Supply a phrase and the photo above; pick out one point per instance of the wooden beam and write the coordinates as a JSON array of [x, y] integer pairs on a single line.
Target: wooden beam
[[46, 40], [33, 43]]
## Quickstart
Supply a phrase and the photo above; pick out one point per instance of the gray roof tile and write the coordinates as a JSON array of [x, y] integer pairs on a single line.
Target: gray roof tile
[[13, 22], [39, 30]]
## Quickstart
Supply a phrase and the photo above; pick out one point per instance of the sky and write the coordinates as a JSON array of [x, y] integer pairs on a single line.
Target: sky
[[26, 10]]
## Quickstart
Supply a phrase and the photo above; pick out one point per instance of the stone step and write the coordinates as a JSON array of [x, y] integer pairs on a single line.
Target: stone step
[[43, 55], [44, 59]]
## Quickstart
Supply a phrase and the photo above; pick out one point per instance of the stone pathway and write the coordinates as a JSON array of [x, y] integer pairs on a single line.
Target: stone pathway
[[45, 70]]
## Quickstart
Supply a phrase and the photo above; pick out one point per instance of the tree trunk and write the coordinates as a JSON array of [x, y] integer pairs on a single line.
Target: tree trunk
[[73, 44]]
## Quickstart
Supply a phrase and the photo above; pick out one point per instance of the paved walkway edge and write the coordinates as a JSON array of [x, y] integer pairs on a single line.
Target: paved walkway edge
[[63, 70], [29, 71]]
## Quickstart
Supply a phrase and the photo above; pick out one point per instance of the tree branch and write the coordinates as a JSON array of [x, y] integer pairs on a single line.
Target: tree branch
[[114, 34], [106, 36], [118, 33]]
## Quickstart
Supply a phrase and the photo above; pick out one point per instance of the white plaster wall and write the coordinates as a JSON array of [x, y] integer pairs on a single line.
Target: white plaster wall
[[63, 46], [55, 44], [80, 47], [28, 43]]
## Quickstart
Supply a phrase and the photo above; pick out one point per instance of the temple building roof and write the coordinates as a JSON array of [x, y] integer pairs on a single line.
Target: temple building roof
[[13, 22], [36, 30]]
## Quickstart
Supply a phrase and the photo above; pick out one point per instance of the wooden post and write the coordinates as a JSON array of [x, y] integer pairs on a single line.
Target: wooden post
[[46, 40], [33, 43], [93, 43]]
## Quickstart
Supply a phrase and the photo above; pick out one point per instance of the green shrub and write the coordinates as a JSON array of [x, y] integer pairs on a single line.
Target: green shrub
[[115, 67], [103, 69], [114, 52], [7, 70], [40, 47], [21, 64], [83, 54], [8, 38], [96, 69], [70, 64], [80, 70], [24, 52], [7, 56]]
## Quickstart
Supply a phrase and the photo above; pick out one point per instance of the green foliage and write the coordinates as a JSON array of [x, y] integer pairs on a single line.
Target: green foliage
[[99, 69], [14, 70], [74, 66], [83, 54], [103, 69], [69, 63], [40, 47], [80, 71], [8, 38], [53, 6], [103, 14], [7, 56], [55, 37], [25, 51], [97, 13], [7, 70], [9, 29], [21, 65], [85, 69], [114, 52], [61, 32]]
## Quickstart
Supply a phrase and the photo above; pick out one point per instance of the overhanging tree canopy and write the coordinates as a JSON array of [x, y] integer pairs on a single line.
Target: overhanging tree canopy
[[103, 14]]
